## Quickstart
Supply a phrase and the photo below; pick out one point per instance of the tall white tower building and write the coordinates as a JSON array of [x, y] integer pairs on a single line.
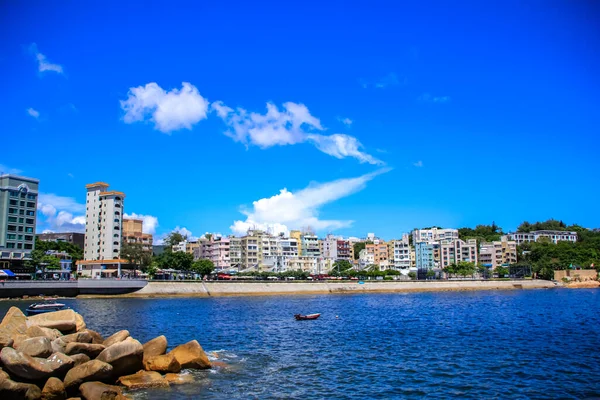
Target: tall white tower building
[[103, 222]]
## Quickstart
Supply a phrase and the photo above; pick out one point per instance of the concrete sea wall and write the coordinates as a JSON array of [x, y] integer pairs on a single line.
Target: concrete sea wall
[[208, 289]]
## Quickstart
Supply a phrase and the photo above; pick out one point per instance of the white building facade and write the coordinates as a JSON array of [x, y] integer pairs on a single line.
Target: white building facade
[[103, 222]]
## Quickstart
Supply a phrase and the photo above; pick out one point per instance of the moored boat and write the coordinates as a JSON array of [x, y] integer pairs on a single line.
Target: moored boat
[[47, 306], [300, 317]]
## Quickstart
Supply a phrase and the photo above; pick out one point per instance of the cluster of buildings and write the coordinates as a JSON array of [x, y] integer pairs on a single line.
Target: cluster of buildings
[[106, 230]]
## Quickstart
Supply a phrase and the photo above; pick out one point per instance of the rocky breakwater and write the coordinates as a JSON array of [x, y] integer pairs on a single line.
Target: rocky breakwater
[[54, 356]]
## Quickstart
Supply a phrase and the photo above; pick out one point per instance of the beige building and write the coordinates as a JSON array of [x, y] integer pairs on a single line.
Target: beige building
[[399, 253], [133, 234], [495, 254], [298, 236], [235, 252], [434, 235], [458, 251], [379, 250]]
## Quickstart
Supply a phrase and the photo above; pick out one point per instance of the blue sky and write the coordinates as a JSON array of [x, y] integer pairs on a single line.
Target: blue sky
[[384, 116]]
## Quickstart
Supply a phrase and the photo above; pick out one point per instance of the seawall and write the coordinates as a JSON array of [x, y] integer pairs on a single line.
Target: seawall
[[209, 289]]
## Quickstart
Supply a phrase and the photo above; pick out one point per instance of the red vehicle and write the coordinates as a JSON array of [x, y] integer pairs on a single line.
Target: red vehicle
[[221, 276]]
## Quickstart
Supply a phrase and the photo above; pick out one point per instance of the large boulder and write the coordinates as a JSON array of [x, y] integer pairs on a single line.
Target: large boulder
[[125, 357], [163, 364], [14, 322], [96, 337], [101, 391], [58, 345], [11, 390], [90, 371], [89, 349], [79, 359], [143, 379], [38, 331], [35, 347], [179, 379], [64, 320], [24, 366], [79, 337], [54, 389], [116, 338], [59, 364], [79, 323], [5, 340], [191, 355], [155, 347]]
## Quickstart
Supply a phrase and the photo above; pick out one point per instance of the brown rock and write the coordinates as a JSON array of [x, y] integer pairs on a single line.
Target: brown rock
[[38, 331], [58, 345], [11, 390], [18, 338], [116, 338], [79, 359], [5, 339], [35, 347], [24, 366], [90, 350], [74, 398], [14, 322], [96, 337], [87, 372], [79, 323], [59, 364], [155, 347], [79, 337], [63, 320], [179, 379], [163, 364], [143, 379], [54, 390], [125, 357], [191, 355], [100, 391]]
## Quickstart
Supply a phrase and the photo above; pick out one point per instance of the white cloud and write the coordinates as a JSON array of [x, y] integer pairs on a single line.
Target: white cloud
[[428, 98], [418, 164], [289, 126], [168, 111], [390, 79], [43, 63], [345, 121], [34, 113], [62, 214], [7, 170], [288, 210], [149, 222]]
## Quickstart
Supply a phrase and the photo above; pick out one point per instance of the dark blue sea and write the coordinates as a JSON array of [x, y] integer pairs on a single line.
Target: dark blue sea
[[466, 345]]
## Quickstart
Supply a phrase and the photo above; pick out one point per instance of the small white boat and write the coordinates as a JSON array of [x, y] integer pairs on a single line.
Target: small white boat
[[47, 306]]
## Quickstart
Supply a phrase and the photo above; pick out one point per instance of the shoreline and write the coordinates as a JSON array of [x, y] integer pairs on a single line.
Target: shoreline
[[177, 289]]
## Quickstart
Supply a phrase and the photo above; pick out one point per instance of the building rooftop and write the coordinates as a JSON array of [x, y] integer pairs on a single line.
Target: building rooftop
[[112, 193], [23, 178], [96, 184]]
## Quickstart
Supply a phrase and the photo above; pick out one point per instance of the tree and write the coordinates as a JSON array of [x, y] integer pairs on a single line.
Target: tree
[[132, 252], [74, 251], [203, 267], [502, 271], [340, 267], [357, 248], [177, 260], [412, 275], [173, 239], [430, 274]]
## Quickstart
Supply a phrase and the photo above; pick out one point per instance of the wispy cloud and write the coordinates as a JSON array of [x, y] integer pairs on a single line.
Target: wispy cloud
[[34, 113], [389, 80], [43, 63], [290, 125], [287, 210], [345, 121], [167, 110], [7, 170], [70, 175], [418, 164], [428, 98]]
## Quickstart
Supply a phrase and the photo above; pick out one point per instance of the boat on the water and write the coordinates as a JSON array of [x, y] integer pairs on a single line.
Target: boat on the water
[[47, 306], [300, 317]]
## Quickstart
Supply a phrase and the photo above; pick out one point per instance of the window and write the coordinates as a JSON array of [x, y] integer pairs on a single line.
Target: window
[[10, 245], [28, 229], [11, 236], [20, 229], [12, 219], [29, 221], [19, 237], [31, 197], [30, 204], [14, 203], [28, 246], [12, 210], [21, 212], [116, 219], [12, 228], [116, 243], [29, 238], [23, 195], [118, 205], [19, 245], [116, 235], [30, 213], [117, 213], [22, 203], [20, 220], [14, 194]]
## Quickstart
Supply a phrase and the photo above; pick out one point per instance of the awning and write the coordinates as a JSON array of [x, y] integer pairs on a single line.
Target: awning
[[6, 272]]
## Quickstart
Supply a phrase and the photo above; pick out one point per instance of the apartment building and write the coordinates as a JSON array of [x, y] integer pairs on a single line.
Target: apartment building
[[215, 249], [18, 212], [345, 250], [133, 234], [329, 247], [289, 247], [379, 250], [424, 256], [235, 252], [103, 231], [76, 238], [458, 251], [432, 235], [399, 253], [365, 258], [534, 236], [310, 245], [500, 253], [298, 236], [191, 246]]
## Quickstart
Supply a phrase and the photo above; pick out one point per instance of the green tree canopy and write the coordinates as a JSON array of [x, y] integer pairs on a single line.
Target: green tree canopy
[[483, 233], [357, 248], [173, 239], [203, 267]]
